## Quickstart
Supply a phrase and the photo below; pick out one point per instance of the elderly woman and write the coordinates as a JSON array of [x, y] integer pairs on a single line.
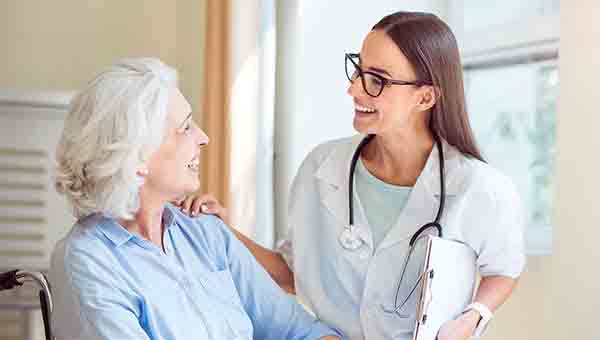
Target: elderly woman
[[133, 266]]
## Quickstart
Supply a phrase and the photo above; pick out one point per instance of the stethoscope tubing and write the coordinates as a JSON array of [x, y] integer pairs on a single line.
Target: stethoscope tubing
[[434, 224]]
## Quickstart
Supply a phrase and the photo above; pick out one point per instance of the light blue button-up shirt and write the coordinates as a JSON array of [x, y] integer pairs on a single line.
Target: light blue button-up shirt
[[108, 283]]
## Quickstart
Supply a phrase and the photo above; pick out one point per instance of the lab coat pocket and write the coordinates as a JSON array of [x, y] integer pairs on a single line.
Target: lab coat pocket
[[352, 265], [394, 324], [220, 286], [398, 307]]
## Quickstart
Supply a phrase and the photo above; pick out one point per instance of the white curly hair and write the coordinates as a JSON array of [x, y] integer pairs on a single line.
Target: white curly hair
[[112, 128]]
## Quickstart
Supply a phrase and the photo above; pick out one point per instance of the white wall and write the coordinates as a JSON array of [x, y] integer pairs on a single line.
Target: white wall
[[312, 105], [252, 59]]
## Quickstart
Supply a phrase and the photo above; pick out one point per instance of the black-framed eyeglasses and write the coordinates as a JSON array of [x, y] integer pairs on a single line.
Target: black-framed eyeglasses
[[372, 83]]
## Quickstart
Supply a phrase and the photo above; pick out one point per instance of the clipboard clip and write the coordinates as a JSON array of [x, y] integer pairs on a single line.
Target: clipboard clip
[[428, 296]]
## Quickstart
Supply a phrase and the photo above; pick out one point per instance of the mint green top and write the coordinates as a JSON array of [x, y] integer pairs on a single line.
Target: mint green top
[[381, 202]]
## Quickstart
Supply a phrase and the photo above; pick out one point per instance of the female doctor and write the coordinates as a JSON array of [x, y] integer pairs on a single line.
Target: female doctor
[[407, 87]]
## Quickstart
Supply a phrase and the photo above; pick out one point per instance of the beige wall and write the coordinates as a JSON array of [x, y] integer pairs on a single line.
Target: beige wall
[[577, 260], [529, 312], [190, 25], [61, 44]]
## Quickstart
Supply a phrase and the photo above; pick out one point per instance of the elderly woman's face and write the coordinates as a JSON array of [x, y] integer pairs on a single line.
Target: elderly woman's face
[[173, 168]]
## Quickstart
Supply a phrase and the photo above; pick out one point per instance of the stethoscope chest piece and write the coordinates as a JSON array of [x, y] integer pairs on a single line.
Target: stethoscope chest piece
[[349, 238]]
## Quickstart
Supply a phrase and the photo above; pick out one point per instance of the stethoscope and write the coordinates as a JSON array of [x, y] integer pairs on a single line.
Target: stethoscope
[[349, 238], [351, 241]]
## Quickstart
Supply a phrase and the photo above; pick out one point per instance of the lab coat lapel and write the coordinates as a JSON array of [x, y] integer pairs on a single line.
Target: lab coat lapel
[[333, 175]]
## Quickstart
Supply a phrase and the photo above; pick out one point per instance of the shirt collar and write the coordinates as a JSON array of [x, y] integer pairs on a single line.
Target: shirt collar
[[115, 232], [118, 235]]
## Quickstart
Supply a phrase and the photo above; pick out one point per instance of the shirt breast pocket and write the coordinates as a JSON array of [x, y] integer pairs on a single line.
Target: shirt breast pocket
[[221, 288]]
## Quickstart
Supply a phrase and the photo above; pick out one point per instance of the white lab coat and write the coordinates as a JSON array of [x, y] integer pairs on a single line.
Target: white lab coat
[[353, 290]]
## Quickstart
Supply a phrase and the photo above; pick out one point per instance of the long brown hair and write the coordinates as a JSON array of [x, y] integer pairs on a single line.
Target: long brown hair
[[430, 47]]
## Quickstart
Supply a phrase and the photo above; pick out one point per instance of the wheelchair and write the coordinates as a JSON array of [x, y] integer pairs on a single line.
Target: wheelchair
[[15, 278]]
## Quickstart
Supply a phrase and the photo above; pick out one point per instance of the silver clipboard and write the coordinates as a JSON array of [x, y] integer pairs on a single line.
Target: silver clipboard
[[449, 280]]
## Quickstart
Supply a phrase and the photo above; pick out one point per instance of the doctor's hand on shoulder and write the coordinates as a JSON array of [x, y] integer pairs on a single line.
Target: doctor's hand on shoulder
[[196, 204], [461, 328]]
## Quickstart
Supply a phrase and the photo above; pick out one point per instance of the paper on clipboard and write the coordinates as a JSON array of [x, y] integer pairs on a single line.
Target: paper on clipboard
[[450, 274]]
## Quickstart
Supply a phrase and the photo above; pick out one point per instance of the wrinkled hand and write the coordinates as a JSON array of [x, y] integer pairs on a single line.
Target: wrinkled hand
[[461, 328], [195, 204]]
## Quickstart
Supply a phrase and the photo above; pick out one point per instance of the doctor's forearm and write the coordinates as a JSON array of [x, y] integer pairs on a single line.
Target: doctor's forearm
[[272, 261], [494, 290]]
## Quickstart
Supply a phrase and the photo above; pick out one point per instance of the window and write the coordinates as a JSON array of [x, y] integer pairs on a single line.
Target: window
[[510, 53]]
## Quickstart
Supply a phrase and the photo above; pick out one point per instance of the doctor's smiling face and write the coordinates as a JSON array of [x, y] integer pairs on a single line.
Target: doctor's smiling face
[[382, 108]]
